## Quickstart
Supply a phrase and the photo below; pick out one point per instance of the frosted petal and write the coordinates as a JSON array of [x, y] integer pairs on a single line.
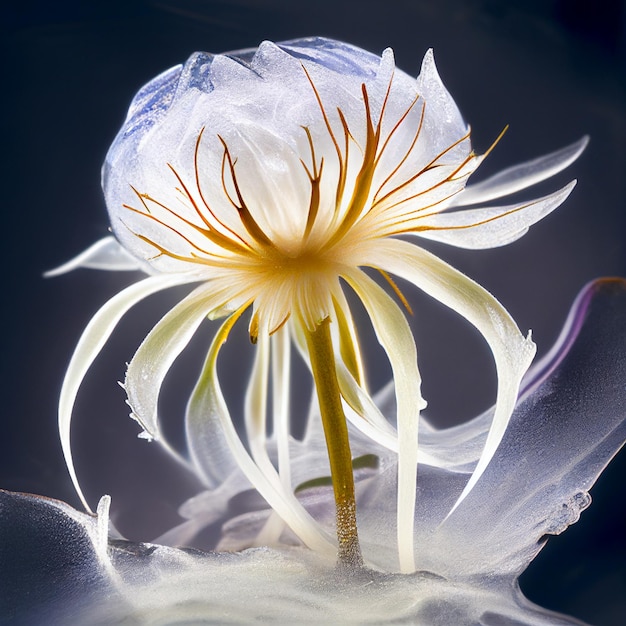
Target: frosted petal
[[159, 349], [90, 344], [512, 353], [395, 336], [491, 226], [521, 176], [105, 254]]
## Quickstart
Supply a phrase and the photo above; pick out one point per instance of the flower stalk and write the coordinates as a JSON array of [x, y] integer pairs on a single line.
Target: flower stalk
[[321, 354]]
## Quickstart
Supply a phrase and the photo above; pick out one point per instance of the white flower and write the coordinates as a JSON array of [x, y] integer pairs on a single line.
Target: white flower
[[274, 178]]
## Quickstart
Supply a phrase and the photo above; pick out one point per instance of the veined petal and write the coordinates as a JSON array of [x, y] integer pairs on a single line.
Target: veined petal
[[89, 345], [395, 336], [210, 411], [105, 254], [521, 176], [511, 351], [489, 227]]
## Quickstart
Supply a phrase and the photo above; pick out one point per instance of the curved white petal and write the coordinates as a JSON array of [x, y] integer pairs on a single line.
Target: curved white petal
[[521, 176], [105, 254], [255, 406], [512, 352], [444, 124], [490, 227], [395, 336], [154, 357], [281, 376], [362, 412], [210, 410], [89, 345]]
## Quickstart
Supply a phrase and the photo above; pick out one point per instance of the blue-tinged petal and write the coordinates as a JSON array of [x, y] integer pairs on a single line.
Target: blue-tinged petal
[[489, 227], [522, 176], [512, 353], [334, 55], [105, 254], [563, 433], [89, 345]]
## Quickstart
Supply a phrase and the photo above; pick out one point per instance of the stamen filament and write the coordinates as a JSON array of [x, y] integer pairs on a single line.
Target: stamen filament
[[336, 432]]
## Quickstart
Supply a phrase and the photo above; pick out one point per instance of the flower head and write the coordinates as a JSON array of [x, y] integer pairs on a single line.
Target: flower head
[[275, 178]]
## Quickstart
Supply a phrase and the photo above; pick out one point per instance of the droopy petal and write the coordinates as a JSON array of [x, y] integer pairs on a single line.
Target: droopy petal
[[209, 412], [281, 378], [490, 227], [521, 176], [159, 349], [511, 351], [91, 342], [395, 336], [105, 254]]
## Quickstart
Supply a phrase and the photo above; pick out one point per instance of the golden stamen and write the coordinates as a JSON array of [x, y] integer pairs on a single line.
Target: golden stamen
[[315, 178], [249, 223], [396, 290], [206, 204], [426, 168], [342, 161]]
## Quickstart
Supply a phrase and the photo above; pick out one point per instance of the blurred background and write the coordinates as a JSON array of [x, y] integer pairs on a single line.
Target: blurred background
[[553, 70]]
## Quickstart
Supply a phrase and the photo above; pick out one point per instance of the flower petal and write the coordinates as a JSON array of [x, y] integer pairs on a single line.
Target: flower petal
[[208, 414], [281, 374], [105, 254], [490, 227], [395, 336], [443, 124], [521, 176], [89, 345], [560, 438], [511, 351], [157, 352]]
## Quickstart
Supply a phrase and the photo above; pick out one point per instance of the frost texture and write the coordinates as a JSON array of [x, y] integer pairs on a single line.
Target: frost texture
[[569, 422]]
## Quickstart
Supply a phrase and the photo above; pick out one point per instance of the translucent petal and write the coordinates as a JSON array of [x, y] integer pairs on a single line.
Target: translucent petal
[[443, 123], [281, 377], [521, 176], [207, 411], [363, 413], [395, 336], [89, 345], [256, 406], [512, 353], [159, 349], [105, 254], [491, 226]]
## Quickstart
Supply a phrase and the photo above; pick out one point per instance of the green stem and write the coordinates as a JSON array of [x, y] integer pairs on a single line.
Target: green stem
[[336, 432]]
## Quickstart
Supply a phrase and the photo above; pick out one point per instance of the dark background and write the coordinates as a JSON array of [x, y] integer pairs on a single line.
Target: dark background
[[552, 69]]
